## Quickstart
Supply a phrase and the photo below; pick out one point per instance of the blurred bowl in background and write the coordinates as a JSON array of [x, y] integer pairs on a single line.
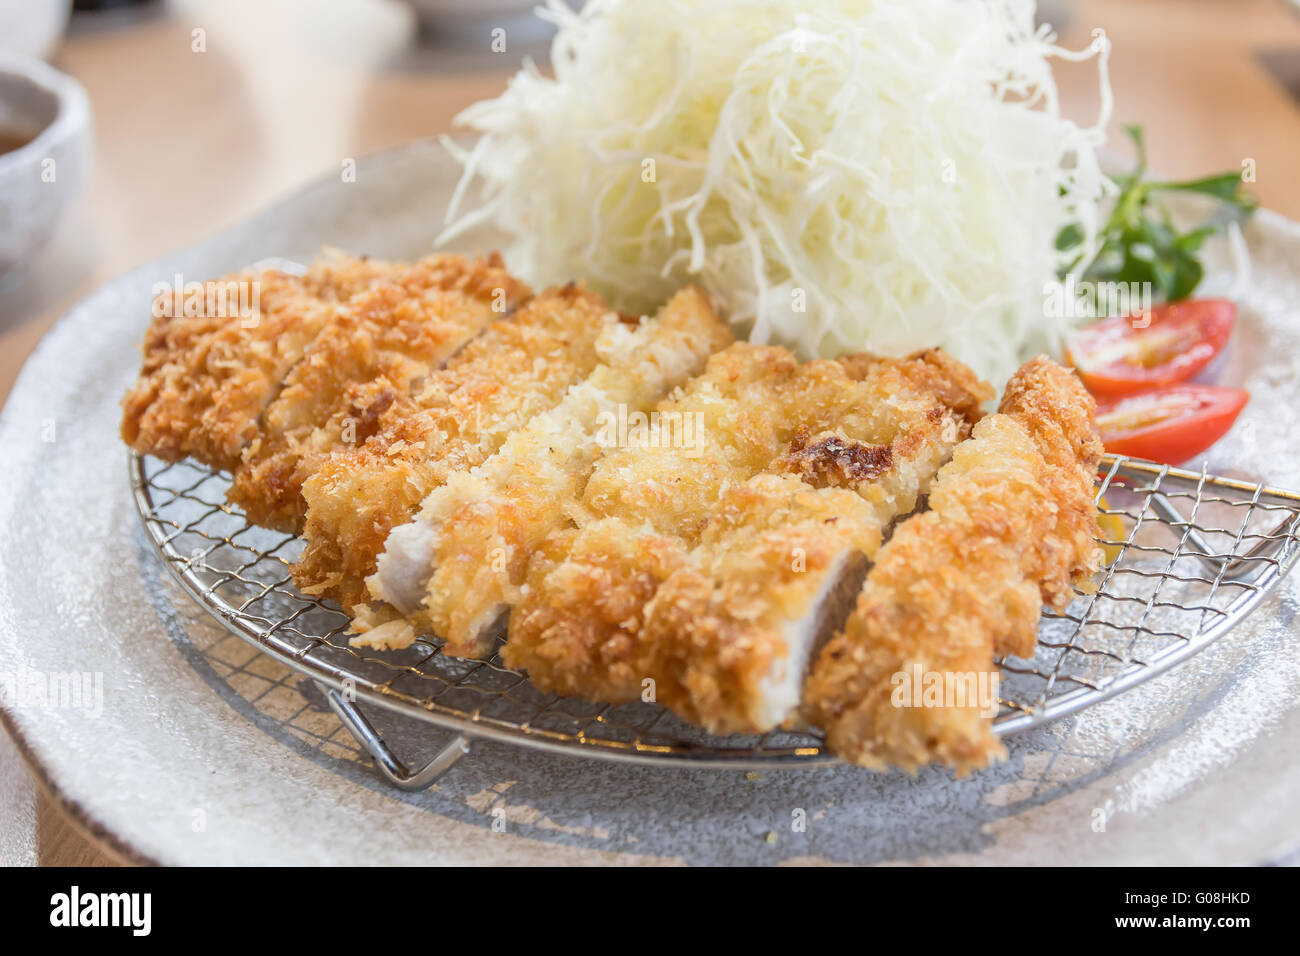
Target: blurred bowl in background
[[458, 22], [45, 153], [436, 11], [1055, 12], [33, 27]]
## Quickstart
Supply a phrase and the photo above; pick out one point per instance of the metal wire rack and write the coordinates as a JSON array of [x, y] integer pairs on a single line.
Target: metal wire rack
[[1192, 555]]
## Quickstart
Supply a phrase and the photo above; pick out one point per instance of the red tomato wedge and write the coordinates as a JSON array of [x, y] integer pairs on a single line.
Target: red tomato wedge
[[1171, 343], [1169, 425]]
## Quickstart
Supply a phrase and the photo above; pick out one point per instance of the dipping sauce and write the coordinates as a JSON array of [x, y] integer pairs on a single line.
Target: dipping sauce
[[12, 139]]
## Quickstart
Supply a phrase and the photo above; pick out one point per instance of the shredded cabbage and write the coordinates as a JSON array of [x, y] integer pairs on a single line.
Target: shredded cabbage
[[841, 175]]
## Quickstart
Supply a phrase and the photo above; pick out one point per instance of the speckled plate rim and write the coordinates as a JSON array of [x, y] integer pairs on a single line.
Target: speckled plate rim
[[85, 823]]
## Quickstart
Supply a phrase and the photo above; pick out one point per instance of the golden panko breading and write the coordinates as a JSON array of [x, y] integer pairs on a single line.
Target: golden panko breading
[[661, 513], [216, 356], [457, 418], [213, 361], [478, 531], [1059, 413], [405, 325], [732, 631], [577, 628], [1010, 523], [744, 585], [728, 635]]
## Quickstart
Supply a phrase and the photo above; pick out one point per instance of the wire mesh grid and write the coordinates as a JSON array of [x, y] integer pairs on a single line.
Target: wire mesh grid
[[1191, 556]]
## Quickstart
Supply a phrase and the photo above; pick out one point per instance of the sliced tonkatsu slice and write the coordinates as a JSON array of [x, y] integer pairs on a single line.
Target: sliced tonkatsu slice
[[386, 338], [456, 418], [578, 626], [214, 361], [1010, 526], [730, 634], [461, 564], [215, 357], [727, 608]]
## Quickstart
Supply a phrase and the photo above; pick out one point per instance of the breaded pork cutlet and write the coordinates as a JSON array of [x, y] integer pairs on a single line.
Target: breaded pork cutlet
[[577, 628], [731, 633], [460, 565], [730, 605], [455, 419], [1010, 526], [212, 363], [216, 357], [392, 333]]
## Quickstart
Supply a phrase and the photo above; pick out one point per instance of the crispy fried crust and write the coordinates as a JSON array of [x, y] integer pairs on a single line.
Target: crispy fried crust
[[966, 579], [206, 378], [734, 558], [729, 634], [491, 521], [642, 508], [696, 574], [716, 634], [738, 428], [1058, 412], [832, 461], [214, 362], [577, 630], [387, 336], [459, 417]]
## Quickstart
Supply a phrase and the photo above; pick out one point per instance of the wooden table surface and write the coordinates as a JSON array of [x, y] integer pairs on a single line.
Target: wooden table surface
[[188, 143]]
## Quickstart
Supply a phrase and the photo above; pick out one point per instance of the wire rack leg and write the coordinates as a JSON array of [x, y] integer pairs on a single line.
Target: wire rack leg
[[392, 769]]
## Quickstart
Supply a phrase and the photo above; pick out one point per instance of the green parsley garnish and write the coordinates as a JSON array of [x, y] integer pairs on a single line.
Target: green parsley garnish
[[1139, 243]]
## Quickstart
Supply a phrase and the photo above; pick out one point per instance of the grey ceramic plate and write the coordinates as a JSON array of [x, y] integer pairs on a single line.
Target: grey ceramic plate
[[205, 752]]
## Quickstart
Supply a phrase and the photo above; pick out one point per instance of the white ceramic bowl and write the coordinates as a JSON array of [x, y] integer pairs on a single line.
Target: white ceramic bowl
[[33, 27], [447, 10], [39, 180], [464, 23]]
